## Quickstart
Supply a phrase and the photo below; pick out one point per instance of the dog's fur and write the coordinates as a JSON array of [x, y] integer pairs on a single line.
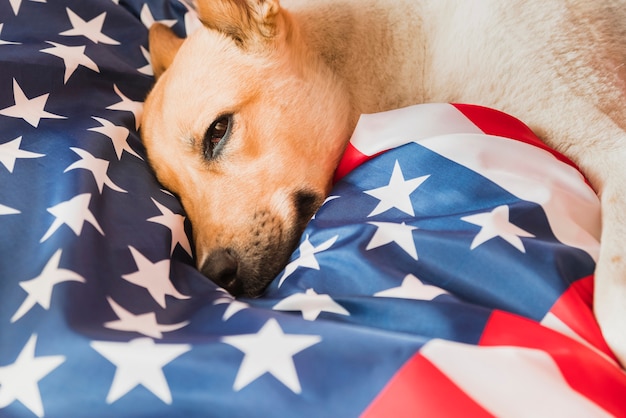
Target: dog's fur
[[296, 81]]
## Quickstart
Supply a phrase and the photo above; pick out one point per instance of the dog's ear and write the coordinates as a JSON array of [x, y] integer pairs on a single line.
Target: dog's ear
[[164, 45], [250, 23]]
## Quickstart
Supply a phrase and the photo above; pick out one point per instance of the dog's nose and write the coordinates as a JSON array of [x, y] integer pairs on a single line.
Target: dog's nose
[[221, 267]]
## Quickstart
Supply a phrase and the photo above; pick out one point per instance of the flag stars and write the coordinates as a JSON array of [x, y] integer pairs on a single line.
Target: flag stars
[[192, 23], [412, 288], [307, 257], [148, 19], [328, 199], [3, 42], [19, 381], [154, 277], [31, 110], [270, 351], [10, 152], [73, 213], [146, 69], [97, 167], [233, 305], [176, 224], [16, 4], [389, 232], [145, 324], [40, 288], [397, 194], [496, 224], [5, 210], [139, 362], [128, 105], [311, 304], [91, 29], [72, 57], [117, 134]]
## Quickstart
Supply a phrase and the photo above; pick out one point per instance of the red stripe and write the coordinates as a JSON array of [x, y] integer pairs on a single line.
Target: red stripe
[[352, 158], [420, 389], [590, 374], [490, 121], [574, 308], [494, 122]]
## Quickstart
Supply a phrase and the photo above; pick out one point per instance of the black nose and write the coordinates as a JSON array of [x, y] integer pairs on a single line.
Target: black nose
[[221, 267]]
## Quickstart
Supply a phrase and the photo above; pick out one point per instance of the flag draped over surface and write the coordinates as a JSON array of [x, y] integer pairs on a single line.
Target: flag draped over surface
[[450, 272]]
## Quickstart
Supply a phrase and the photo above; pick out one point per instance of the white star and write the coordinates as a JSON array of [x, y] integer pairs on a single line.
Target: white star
[[40, 288], [2, 42], [167, 192], [270, 351], [72, 57], [117, 134], [311, 304], [154, 277], [176, 224], [401, 234], [307, 258], [145, 324], [496, 224], [233, 307], [91, 30], [15, 4], [146, 69], [73, 213], [128, 105], [328, 199], [412, 288], [192, 23], [19, 380], [97, 167], [139, 362], [31, 110], [5, 210], [397, 194], [148, 20], [189, 5], [10, 152]]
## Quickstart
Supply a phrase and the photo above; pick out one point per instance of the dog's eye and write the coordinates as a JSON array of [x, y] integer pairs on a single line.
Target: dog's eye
[[216, 136]]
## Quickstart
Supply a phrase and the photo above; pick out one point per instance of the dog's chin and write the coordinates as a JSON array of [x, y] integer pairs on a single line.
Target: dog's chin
[[248, 272]]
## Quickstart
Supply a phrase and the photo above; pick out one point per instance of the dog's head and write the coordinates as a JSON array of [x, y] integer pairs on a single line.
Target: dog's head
[[246, 125]]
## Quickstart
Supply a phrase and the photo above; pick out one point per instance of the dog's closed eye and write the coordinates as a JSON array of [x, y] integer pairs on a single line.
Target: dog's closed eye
[[216, 136]]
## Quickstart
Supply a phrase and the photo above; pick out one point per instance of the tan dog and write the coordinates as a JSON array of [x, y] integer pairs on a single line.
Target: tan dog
[[251, 113]]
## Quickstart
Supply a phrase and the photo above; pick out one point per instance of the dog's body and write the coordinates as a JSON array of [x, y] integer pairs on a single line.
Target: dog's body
[[249, 120]]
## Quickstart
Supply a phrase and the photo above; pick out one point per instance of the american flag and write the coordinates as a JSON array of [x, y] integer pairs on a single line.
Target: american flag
[[449, 273]]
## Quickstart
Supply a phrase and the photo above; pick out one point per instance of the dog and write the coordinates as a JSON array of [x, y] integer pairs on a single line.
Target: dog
[[251, 113]]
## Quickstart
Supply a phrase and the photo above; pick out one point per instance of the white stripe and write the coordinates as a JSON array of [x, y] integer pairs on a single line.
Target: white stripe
[[510, 381], [534, 175], [526, 171], [382, 131], [556, 324]]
